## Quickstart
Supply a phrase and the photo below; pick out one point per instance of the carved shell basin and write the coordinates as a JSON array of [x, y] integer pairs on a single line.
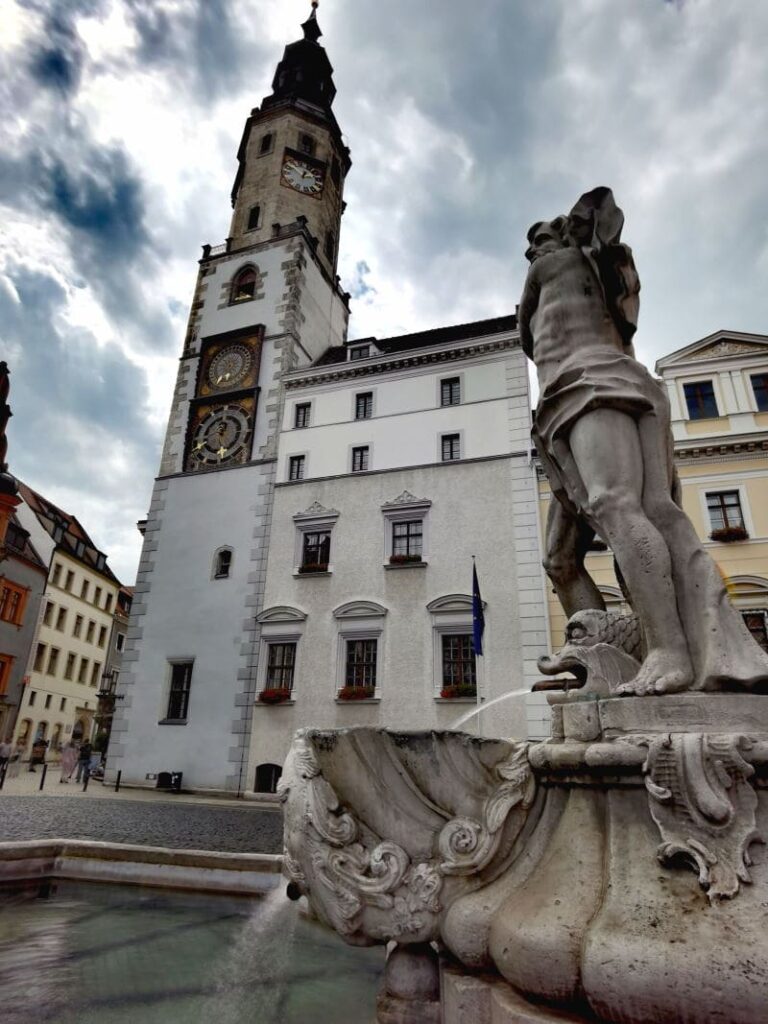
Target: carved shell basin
[[383, 830]]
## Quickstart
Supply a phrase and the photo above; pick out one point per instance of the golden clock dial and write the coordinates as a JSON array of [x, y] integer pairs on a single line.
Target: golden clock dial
[[221, 437], [300, 176], [229, 366]]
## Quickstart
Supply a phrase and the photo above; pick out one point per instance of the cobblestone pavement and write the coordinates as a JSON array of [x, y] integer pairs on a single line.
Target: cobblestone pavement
[[191, 825]]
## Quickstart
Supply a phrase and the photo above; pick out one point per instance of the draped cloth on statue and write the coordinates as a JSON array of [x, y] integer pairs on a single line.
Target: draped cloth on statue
[[723, 652]]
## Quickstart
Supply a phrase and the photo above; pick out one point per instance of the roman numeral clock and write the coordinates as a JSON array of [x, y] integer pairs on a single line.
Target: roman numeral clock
[[222, 413]]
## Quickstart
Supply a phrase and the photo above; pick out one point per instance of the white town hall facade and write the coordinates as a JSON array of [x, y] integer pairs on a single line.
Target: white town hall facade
[[308, 550]]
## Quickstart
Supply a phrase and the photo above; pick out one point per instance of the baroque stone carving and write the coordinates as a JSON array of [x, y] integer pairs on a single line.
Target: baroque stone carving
[[704, 804], [406, 498], [602, 649]]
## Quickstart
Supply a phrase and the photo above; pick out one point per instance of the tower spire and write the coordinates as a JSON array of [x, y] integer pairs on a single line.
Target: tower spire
[[310, 26]]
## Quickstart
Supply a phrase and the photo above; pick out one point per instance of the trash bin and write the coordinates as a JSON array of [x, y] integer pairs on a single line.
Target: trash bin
[[170, 781]]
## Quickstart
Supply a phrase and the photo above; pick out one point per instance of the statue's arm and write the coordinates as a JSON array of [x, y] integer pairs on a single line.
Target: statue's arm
[[528, 304]]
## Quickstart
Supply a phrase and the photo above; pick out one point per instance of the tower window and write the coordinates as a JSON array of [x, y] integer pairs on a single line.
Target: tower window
[[330, 244], [254, 218], [306, 144], [244, 285], [178, 697], [265, 146], [223, 564], [336, 172]]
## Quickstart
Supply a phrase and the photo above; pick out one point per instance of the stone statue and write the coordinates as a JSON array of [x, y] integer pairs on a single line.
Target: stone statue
[[602, 431]]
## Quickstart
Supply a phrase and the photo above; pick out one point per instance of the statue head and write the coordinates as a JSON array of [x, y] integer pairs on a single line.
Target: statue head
[[546, 236]]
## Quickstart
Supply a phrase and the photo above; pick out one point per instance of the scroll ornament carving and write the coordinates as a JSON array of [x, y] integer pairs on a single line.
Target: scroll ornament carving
[[703, 802], [346, 870]]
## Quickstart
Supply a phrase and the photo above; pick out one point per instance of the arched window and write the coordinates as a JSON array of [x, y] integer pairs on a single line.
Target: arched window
[[41, 732], [267, 778], [222, 563], [244, 285], [254, 218], [24, 730]]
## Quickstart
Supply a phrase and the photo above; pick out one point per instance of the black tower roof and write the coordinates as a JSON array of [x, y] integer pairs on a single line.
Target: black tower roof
[[304, 73]]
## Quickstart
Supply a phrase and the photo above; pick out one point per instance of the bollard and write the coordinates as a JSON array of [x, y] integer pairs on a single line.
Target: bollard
[[42, 777], [117, 781]]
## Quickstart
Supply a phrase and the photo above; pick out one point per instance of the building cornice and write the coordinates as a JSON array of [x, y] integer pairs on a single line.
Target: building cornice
[[725, 451], [397, 361]]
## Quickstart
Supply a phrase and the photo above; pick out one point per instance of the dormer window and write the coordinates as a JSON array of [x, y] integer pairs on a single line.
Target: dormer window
[[244, 285], [359, 351], [306, 144], [254, 218]]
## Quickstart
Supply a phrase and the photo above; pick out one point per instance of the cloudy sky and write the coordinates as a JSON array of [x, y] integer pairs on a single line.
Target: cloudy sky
[[120, 122]]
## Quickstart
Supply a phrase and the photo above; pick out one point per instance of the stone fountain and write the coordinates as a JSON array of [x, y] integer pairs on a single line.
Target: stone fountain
[[614, 872]]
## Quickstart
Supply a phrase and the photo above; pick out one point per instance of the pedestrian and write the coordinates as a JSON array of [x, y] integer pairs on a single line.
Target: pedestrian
[[84, 762], [39, 748], [68, 761], [5, 755]]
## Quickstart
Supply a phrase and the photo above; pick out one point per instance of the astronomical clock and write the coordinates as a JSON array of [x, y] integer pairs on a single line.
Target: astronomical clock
[[223, 411]]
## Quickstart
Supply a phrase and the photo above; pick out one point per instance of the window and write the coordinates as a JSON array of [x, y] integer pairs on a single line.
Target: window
[[70, 580], [120, 642], [450, 447], [97, 596], [84, 663], [450, 391], [61, 619], [48, 613], [360, 459], [364, 405], [244, 285], [53, 661], [32, 698], [360, 352], [316, 552], [335, 172], [90, 631], [254, 218], [360, 663], [108, 603], [39, 658], [63, 704], [223, 564], [47, 700], [724, 509], [301, 414], [56, 574], [6, 661], [330, 244], [84, 590], [95, 673], [760, 389], [78, 626], [281, 660], [700, 399], [458, 660], [12, 601], [757, 624], [265, 146], [69, 668], [306, 144], [178, 698], [102, 635], [296, 467], [407, 538]]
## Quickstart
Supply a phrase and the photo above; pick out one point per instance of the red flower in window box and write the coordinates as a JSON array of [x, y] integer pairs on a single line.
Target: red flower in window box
[[356, 692], [311, 567], [727, 534], [275, 695], [403, 559], [459, 690]]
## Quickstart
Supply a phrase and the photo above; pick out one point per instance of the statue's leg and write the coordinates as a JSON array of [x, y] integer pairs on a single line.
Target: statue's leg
[[566, 544], [606, 448]]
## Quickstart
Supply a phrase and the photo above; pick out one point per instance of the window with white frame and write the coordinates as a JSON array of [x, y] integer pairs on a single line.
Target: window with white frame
[[361, 625], [312, 550], [756, 621], [359, 351], [458, 661], [726, 517], [700, 399], [364, 405], [282, 628], [450, 391], [296, 467], [759, 383], [406, 530], [281, 661], [454, 670], [361, 458], [301, 414], [450, 447]]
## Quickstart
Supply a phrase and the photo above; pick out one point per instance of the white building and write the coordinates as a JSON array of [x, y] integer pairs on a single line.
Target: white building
[[281, 433]]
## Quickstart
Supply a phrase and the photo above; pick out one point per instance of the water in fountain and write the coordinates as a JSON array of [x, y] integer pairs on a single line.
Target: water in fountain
[[484, 707]]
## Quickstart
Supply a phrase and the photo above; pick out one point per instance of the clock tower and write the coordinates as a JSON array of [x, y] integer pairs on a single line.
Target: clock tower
[[266, 301]]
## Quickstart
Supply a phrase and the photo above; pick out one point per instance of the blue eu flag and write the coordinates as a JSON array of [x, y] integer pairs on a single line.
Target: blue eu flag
[[478, 619]]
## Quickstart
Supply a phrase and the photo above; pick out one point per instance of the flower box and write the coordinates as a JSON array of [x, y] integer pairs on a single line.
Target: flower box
[[310, 567], [274, 695], [404, 559], [728, 534], [461, 690], [356, 692]]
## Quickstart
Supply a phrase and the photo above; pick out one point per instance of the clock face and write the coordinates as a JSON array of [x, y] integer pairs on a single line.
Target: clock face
[[299, 175], [229, 366], [221, 437]]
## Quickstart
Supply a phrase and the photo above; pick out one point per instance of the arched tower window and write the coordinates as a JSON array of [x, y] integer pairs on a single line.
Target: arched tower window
[[222, 563], [254, 218], [244, 285]]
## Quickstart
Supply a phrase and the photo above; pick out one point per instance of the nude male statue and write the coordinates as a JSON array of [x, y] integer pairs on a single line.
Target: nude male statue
[[602, 431]]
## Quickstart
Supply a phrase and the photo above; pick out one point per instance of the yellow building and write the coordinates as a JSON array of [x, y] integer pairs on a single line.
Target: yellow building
[[70, 650], [718, 391]]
